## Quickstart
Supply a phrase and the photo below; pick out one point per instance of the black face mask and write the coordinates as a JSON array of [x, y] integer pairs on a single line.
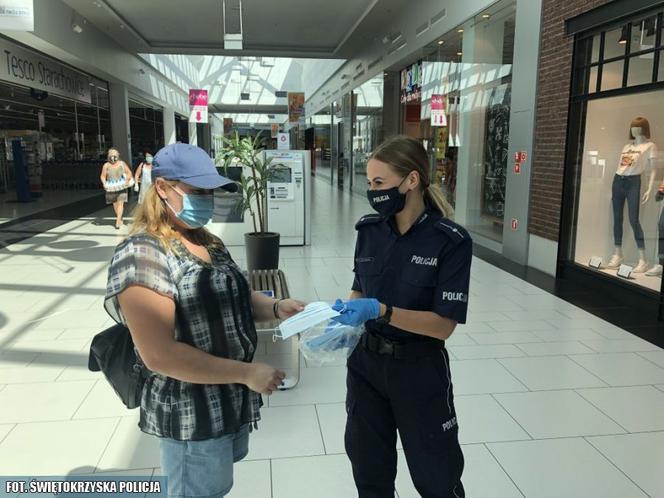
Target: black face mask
[[387, 202]]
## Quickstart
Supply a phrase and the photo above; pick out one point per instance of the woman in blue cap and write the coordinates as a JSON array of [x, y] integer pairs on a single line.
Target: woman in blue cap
[[191, 314]]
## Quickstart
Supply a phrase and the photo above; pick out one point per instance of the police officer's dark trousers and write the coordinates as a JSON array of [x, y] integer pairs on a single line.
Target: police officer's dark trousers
[[408, 389]]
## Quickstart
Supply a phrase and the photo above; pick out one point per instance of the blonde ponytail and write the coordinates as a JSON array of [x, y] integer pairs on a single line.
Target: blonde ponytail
[[437, 199]]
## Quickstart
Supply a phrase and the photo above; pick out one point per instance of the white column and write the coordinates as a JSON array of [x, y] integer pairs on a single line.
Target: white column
[[169, 125], [193, 135], [120, 120]]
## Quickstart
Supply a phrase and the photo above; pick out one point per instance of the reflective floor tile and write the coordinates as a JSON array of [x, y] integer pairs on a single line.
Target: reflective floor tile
[[317, 385], [62, 447], [506, 338], [327, 476], [622, 369], [637, 409], [620, 345], [656, 357], [251, 480], [554, 348], [130, 448], [102, 401], [550, 414], [482, 377], [481, 419], [569, 467], [42, 401], [639, 456], [286, 431], [486, 351], [550, 372]]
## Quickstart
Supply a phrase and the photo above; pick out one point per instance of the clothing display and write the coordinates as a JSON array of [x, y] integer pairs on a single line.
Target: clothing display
[[636, 159], [627, 189], [496, 154]]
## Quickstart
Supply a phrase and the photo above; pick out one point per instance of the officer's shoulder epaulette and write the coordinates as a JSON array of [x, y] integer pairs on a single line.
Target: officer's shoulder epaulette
[[456, 233], [367, 219]]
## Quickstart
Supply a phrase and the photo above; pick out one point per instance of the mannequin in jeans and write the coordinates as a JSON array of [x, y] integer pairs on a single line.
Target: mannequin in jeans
[[656, 271], [637, 157]]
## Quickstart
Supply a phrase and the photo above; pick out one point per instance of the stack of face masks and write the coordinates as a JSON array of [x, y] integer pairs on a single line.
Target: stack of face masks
[[329, 342]]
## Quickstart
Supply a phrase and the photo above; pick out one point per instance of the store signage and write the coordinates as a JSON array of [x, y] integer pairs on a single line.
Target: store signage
[[198, 114], [521, 156], [515, 224], [17, 15], [411, 83], [283, 141], [438, 116], [625, 271], [27, 68], [517, 168], [198, 105], [295, 106], [595, 262]]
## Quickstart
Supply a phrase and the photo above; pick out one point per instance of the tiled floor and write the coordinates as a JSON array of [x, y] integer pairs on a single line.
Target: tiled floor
[[552, 401]]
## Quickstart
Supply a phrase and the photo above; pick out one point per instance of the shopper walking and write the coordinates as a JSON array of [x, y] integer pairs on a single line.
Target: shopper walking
[[144, 175], [116, 178], [191, 314], [412, 272]]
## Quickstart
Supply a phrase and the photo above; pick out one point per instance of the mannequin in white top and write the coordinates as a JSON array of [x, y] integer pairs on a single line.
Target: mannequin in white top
[[637, 157]]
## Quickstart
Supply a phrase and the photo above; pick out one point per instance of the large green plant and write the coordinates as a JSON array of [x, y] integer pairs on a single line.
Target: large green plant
[[247, 152]]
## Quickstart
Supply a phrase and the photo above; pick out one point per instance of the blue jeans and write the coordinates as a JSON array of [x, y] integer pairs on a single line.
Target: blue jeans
[[202, 468], [627, 189]]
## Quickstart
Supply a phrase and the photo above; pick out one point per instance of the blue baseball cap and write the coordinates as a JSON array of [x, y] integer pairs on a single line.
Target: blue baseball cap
[[191, 165]]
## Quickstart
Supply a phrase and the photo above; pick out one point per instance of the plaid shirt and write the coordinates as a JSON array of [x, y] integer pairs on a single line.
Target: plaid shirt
[[213, 314]]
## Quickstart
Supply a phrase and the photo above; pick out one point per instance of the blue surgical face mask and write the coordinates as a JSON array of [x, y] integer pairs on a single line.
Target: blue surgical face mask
[[196, 210]]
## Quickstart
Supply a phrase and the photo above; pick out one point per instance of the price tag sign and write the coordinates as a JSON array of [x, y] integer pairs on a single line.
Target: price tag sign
[[595, 262], [625, 271]]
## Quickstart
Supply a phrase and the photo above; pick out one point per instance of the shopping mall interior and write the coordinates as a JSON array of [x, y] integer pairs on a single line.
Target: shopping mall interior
[[539, 122]]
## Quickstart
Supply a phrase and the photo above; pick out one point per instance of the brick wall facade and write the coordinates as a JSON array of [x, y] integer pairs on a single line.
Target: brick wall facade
[[554, 80]]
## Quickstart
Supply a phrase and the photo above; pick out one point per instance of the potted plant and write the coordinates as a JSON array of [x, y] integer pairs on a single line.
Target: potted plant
[[261, 246]]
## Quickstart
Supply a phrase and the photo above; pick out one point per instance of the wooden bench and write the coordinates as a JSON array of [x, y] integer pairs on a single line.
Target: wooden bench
[[281, 354]]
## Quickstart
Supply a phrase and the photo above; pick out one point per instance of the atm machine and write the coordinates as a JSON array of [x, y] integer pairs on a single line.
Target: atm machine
[[288, 196], [288, 202]]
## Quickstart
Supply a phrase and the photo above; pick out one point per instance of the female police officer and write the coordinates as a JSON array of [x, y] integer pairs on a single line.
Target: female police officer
[[412, 271]]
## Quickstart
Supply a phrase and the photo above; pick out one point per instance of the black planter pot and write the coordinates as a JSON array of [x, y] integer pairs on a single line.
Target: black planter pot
[[262, 250]]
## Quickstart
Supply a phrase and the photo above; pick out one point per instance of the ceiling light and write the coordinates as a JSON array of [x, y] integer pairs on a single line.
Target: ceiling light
[[459, 53], [440, 42], [76, 28], [460, 30], [623, 35], [486, 16]]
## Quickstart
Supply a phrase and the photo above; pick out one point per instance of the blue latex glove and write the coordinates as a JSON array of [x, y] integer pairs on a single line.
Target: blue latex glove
[[356, 311]]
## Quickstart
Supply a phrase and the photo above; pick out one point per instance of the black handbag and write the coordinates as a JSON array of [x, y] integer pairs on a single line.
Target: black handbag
[[112, 353]]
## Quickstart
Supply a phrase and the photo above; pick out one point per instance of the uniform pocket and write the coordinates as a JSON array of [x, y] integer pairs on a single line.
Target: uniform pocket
[[419, 276], [366, 266]]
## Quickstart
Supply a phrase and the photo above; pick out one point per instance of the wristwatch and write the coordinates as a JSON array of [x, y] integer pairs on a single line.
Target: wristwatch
[[387, 316]]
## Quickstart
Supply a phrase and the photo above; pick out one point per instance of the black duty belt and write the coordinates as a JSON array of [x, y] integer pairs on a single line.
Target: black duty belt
[[381, 345]]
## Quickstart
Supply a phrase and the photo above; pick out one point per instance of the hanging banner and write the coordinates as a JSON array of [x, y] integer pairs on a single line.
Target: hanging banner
[[295, 106], [411, 83], [198, 105], [17, 15], [283, 141], [438, 116]]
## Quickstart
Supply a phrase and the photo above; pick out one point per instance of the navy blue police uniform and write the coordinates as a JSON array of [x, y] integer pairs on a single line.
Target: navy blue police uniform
[[400, 380]]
